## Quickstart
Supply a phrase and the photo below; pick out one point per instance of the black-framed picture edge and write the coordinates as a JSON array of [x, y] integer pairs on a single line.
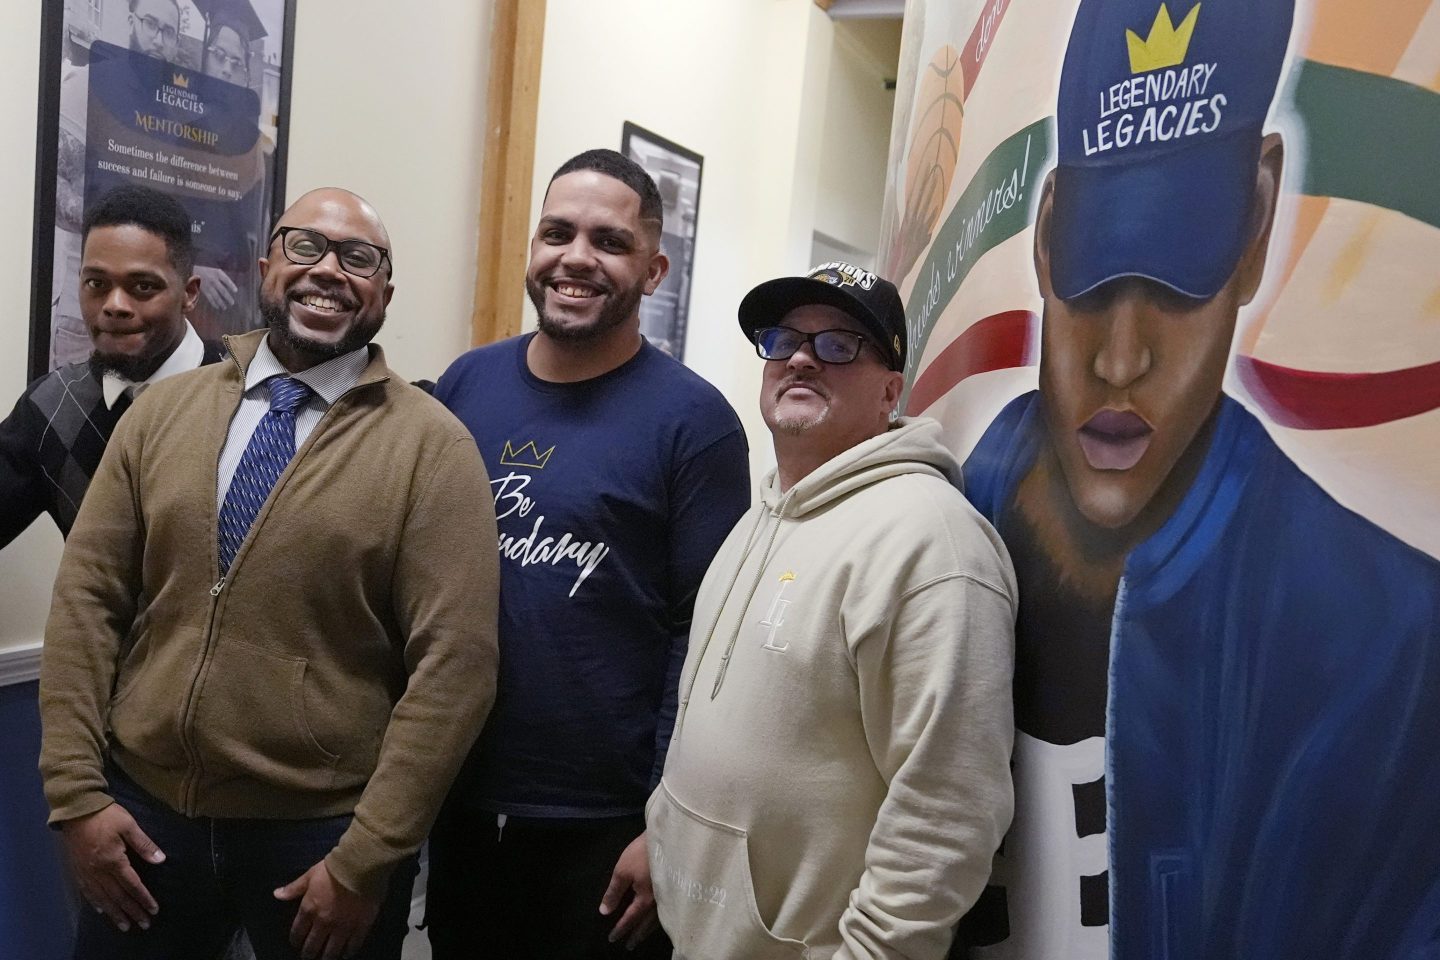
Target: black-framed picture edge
[[629, 129], [47, 158]]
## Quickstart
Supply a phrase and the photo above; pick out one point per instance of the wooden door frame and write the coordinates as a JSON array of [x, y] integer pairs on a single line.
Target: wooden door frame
[[516, 40]]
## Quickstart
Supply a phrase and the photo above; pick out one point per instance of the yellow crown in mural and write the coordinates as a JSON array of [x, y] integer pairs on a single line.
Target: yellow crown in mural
[[512, 457], [1166, 45], [180, 80]]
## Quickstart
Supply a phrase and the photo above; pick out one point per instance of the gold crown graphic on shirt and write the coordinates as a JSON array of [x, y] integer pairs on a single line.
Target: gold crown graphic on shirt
[[511, 456]]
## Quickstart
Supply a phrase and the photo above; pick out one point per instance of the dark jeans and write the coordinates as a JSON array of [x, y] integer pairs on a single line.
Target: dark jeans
[[220, 876], [528, 892]]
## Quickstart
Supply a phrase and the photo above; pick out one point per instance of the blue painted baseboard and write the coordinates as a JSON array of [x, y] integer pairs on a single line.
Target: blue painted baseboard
[[36, 921]]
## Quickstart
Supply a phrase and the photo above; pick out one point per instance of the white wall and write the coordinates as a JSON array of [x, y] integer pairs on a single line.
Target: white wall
[[28, 565], [856, 139], [741, 82], [392, 107]]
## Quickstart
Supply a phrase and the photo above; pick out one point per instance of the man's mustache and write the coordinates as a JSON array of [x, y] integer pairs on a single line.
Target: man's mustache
[[807, 382]]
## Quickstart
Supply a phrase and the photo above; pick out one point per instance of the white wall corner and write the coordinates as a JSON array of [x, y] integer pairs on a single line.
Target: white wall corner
[[810, 130]]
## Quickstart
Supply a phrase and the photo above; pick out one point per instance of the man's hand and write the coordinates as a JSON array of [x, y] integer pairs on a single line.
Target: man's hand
[[96, 847], [216, 287], [333, 920], [632, 872]]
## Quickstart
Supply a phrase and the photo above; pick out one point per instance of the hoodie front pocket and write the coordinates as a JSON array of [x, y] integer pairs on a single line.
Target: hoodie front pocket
[[251, 719], [700, 869]]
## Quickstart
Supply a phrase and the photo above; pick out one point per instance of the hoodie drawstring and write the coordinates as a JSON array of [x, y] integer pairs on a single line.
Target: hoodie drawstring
[[720, 610]]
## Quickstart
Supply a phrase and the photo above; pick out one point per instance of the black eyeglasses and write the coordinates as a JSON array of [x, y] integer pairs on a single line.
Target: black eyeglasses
[[828, 346], [153, 26], [223, 59], [356, 257]]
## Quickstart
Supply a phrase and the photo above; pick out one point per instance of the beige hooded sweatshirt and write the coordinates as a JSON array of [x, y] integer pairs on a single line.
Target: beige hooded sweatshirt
[[839, 779]]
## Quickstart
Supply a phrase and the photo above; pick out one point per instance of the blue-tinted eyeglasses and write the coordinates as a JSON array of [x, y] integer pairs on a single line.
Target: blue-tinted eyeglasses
[[828, 346]]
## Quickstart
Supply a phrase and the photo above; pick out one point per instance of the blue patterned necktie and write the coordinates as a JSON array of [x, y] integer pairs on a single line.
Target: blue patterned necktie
[[270, 449]]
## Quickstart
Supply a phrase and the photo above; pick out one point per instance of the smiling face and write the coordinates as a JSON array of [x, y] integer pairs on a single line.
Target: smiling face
[[592, 258], [1131, 374], [132, 299], [318, 311]]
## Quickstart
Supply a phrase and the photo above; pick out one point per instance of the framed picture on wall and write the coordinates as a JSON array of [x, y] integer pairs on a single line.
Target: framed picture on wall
[[676, 171], [191, 97]]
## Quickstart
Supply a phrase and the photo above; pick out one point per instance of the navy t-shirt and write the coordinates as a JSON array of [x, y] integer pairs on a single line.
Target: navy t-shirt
[[612, 496]]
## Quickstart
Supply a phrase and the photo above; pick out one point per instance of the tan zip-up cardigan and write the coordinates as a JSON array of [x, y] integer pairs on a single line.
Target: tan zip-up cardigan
[[346, 662]]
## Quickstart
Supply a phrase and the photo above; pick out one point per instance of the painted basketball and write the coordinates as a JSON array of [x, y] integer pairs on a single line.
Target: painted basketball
[[934, 150]]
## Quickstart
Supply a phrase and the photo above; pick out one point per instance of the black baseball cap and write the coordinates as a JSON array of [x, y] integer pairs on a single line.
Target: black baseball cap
[[872, 302]]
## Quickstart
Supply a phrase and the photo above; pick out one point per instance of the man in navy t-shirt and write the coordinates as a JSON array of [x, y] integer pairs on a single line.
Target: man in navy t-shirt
[[616, 473]]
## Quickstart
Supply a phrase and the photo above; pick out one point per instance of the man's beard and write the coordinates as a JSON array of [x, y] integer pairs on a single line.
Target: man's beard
[[140, 48], [619, 308], [276, 314], [134, 369], [794, 425]]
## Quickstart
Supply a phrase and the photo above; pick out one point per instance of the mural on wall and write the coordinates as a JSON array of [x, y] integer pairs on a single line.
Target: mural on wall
[[186, 96], [1179, 311]]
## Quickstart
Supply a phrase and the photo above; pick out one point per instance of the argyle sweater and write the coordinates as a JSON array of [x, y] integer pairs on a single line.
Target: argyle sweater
[[51, 443]]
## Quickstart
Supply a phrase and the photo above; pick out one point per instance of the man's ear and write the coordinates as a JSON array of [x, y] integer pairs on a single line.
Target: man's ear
[[264, 263], [659, 269], [1251, 269], [1042, 236], [192, 293], [894, 387]]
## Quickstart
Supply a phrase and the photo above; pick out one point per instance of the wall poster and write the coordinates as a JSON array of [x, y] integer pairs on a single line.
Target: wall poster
[[676, 171], [1170, 270], [187, 96]]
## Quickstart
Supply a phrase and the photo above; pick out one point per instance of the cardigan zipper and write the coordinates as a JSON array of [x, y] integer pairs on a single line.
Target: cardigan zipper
[[191, 787]]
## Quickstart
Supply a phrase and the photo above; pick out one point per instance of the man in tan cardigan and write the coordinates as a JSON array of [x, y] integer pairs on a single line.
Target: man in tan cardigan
[[259, 680]]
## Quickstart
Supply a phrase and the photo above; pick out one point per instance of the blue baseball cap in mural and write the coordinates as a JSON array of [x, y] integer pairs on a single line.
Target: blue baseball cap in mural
[[1159, 123]]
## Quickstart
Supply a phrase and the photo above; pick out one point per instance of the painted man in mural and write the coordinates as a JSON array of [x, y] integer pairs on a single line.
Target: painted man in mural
[[1226, 682]]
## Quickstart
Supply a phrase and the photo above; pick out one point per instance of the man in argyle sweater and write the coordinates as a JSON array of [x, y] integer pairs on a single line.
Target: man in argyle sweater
[[135, 290]]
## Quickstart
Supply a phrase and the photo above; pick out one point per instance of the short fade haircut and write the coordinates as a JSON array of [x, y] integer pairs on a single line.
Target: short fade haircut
[[151, 211], [627, 171]]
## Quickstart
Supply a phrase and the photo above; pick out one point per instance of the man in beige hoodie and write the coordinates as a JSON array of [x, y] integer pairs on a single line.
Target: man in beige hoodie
[[838, 779]]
